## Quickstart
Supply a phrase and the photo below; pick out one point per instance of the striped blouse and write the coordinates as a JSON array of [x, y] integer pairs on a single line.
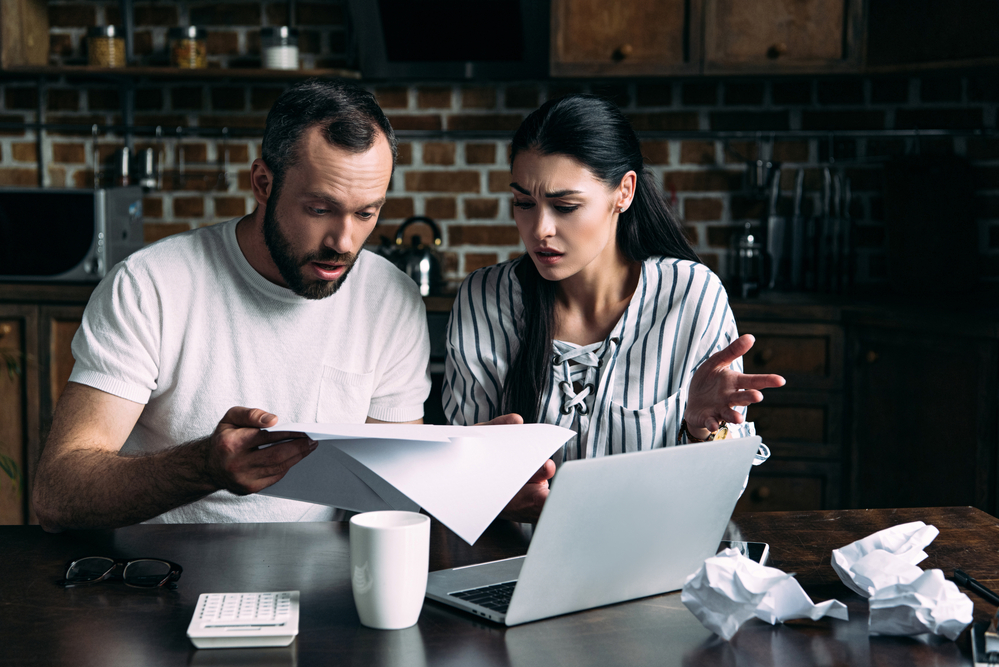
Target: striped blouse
[[623, 394]]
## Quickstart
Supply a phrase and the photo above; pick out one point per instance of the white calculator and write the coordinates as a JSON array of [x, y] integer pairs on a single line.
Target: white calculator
[[237, 620]]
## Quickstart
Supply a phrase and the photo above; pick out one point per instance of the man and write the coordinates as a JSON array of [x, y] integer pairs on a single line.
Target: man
[[279, 311]]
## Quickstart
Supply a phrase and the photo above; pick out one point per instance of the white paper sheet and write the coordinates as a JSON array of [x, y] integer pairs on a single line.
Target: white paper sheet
[[729, 589], [929, 603], [462, 475]]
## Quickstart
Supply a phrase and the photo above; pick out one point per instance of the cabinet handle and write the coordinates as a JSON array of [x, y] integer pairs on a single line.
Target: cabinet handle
[[776, 50], [761, 493], [623, 52], [871, 356], [765, 355]]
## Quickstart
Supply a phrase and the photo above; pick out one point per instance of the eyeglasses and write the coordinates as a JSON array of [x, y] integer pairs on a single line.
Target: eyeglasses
[[137, 572]]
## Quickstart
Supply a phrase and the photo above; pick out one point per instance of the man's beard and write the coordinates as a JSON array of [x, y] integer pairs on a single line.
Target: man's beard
[[290, 266]]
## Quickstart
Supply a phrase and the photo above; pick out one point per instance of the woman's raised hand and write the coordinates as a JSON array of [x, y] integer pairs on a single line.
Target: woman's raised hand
[[716, 388]]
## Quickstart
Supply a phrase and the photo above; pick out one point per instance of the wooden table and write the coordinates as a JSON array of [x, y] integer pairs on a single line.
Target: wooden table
[[110, 624]]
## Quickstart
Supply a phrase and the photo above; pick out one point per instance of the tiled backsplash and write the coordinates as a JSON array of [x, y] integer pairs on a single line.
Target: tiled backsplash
[[462, 182]]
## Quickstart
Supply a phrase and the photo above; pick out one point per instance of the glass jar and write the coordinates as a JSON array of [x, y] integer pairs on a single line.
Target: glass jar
[[280, 47], [188, 47], [106, 46], [747, 273]]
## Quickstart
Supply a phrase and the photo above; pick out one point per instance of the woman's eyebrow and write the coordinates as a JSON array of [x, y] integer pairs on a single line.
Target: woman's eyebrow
[[548, 195]]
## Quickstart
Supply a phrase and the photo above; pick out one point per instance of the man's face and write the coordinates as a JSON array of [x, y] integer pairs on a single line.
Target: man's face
[[327, 206]]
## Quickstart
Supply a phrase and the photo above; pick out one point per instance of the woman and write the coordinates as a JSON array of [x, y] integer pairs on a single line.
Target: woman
[[608, 325]]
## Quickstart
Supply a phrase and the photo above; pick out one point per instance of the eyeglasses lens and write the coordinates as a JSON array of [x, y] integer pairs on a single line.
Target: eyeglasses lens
[[146, 572], [89, 569]]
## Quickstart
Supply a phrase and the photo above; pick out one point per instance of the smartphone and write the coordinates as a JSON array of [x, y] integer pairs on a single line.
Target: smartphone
[[758, 551]]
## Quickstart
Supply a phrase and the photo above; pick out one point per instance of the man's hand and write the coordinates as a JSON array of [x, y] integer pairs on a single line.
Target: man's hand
[[716, 388], [527, 504], [83, 480], [235, 460]]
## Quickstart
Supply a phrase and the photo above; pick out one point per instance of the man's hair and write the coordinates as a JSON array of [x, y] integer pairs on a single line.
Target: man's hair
[[348, 117]]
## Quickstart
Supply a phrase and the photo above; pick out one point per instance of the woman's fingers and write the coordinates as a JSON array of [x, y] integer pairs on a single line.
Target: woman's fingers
[[761, 381], [745, 397], [733, 417], [735, 349]]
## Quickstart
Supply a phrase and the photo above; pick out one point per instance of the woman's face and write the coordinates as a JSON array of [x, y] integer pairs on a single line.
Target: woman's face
[[566, 217]]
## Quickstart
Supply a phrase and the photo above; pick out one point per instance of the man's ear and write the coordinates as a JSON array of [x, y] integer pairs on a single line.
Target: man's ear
[[261, 181]]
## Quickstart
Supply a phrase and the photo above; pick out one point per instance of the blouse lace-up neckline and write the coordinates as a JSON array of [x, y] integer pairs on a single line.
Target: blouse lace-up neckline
[[579, 368]]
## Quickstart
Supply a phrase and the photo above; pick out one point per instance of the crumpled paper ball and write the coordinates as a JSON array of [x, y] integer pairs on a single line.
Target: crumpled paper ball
[[929, 603], [788, 600], [729, 589], [863, 569]]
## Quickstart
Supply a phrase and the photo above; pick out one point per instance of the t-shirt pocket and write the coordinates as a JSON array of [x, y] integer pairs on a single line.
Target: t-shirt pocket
[[344, 397]]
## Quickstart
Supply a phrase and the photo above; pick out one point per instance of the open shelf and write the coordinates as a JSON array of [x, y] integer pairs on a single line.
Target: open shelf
[[177, 73]]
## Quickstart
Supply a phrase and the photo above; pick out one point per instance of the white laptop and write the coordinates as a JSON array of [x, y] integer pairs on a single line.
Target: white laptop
[[614, 528]]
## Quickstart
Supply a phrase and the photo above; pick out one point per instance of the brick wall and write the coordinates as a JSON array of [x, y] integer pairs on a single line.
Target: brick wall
[[462, 183]]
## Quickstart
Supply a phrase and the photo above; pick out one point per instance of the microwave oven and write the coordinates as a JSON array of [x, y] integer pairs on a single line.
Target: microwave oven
[[67, 235]]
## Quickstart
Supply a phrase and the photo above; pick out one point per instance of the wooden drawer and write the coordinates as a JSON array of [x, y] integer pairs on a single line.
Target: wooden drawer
[[791, 486], [809, 356], [800, 424]]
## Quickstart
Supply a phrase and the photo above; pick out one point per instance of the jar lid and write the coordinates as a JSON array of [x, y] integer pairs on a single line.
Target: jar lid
[[188, 32], [280, 32], [105, 31]]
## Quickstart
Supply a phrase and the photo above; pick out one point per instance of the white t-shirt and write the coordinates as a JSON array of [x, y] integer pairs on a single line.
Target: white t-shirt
[[187, 327]]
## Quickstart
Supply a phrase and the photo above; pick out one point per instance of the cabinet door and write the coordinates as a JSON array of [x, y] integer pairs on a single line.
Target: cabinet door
[[18, 407], [924, 420], [791, 486], [906, 34], [636, 38], [800, 424], [808, 356], [58, 326], [781, 35]]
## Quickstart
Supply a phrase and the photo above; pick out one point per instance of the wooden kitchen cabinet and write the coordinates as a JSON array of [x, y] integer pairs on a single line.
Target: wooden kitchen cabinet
[[671, 37], [924, 417], [776, 36], [38, 322], [24, 33], [19, 415], [634, 38], [802, 421]]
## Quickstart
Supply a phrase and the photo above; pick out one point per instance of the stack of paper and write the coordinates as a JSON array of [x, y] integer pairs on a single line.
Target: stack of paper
[[462, 475]]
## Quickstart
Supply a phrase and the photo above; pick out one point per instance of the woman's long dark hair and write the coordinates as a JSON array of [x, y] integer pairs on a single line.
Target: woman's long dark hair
[[596, 134]]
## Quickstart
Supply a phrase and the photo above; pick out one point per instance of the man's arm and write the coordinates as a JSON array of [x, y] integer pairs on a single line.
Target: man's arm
[[83, 481]]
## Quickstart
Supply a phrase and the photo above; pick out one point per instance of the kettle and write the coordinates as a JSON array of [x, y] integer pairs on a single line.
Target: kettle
[[419, 261]]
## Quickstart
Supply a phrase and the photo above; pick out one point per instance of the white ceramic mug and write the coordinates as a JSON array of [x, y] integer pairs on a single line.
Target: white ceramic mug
[[389, 559]]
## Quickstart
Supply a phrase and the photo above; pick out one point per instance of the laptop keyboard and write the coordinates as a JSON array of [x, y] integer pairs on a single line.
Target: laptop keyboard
[[495, 597]]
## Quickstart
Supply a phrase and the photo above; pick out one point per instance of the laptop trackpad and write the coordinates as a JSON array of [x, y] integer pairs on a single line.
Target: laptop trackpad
[[443, 582]]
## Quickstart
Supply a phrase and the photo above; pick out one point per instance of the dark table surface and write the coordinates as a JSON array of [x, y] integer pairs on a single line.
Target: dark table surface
[[110, 624]]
